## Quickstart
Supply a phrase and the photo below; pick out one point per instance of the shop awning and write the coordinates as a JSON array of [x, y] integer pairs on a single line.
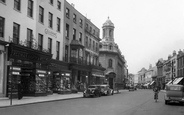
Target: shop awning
[[177, 80], [169, 82], [152, 82]]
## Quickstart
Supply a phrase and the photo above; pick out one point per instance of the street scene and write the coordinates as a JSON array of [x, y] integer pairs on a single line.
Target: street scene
[[91, 57], [140, 102]]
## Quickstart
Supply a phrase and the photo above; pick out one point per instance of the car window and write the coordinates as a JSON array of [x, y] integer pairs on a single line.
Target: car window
[[92, 87], [175, 88]]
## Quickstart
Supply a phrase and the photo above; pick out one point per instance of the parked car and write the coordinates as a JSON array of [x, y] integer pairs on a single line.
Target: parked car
[[106, 90], [131, 88], [174, 93], [92, 90]]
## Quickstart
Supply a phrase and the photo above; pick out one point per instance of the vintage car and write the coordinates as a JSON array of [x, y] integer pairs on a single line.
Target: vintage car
[[131, 88], [92, 90], [174, 93], [106, 90]]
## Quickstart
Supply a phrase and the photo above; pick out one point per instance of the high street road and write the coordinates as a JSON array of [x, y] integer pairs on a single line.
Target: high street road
[[138, 102]]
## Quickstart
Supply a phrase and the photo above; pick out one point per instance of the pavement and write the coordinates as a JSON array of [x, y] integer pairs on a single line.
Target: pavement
[[6, 102]]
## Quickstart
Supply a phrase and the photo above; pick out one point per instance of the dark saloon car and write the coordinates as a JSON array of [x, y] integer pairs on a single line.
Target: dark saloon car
[[92, 90]]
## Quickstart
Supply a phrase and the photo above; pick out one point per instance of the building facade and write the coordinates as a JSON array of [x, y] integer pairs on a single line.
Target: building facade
[[110, 57], [43, 46]]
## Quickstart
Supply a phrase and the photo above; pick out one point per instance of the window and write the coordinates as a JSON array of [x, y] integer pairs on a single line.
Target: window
[[66, 53], [58, 24], [110, 47], [90, 43], [50, 19], [74, 18], [29, 37], [110, 62], [2, 1], [90, 29], [86, 42], [93, 32], [93, 45], [30, 8], [16, 31], [67, 31], [59, 5], [41, 14], [74, 34], [86, 26], [67, 13], [2, 27], [81, 23], [51, 2], [96, 47], [57, 50], [80, 37], [50, 45], [40, 42], [17, 5]]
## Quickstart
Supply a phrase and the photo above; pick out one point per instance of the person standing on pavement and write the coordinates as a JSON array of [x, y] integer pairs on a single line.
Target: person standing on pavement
[[20, 95]]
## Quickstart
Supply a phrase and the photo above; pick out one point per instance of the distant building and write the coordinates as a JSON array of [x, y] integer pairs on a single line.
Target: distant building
[[111, 58]]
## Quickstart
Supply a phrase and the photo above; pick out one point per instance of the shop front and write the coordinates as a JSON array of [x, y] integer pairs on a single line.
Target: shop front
[[60, 80], [33, 66]]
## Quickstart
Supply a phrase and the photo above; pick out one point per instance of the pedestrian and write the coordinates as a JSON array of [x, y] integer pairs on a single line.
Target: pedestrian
[[20, 95]]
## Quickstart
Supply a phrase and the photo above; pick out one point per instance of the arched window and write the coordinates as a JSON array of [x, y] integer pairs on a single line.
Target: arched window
[[110, 47], [110, 62]]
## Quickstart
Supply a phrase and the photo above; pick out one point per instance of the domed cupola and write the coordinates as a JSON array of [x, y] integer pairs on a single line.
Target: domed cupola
[[108, 31], [108, 23]]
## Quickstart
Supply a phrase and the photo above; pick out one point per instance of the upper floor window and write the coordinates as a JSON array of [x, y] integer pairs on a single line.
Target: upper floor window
[[74, 18], [30, 8], [66, 53], [58, 24], [50, 45], [67, 31], [81, 23], [86, 44], [94, 31], [87, 26], [96, 47], [50, 19], [90, 29], [17, 5], [2, 1], [59, 5], [16, 32], [57, 49], [29, 37], [67, 13], [41, 14], [74, 34], [51, 2], [93, 45], [110, 63], [80, 37], [2, 22], [90, 43], [40, 42]]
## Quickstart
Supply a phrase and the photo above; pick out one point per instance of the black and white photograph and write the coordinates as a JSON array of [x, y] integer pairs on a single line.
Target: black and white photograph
[[91, 57]]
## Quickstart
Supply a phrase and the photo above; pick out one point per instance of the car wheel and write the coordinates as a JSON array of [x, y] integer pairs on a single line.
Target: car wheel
[[166, 102]]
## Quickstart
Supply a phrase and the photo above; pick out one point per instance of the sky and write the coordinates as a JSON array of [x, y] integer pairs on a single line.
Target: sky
[[145, 30]]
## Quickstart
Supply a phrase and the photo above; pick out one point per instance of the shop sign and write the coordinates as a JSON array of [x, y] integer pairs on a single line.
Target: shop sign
[[15, 73], [41, 75], [41, 71], [16, 68], [67, 74], [51, 33]]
